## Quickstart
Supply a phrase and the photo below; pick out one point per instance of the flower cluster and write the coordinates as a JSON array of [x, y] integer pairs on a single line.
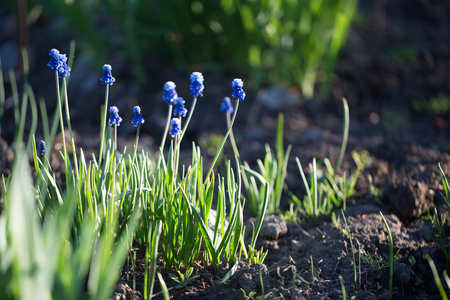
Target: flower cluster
[[107, 77], [114, 118], [175, 123], [138, 119], [226, 106], [180, 109], [170, 94], [42, 148], [58, 63], [238, 92], [196, 86]]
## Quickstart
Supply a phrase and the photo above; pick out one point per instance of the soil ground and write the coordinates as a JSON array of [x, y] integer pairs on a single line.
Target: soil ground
[[399, 56]]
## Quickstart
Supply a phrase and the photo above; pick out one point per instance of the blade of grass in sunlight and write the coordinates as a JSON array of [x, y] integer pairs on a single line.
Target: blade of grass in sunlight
[[344, 135], [437, 280], [446, 188]]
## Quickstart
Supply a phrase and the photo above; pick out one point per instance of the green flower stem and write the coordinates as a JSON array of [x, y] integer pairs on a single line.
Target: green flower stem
[[194, 102], [103, 125], [175, 159], [224, 140], [166, 130], [115, 138], [232, 140], [137, 140], [74, 152], [61, 121]]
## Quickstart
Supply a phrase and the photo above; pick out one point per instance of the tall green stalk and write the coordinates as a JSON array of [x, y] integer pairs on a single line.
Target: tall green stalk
[[224, 140], [344, 135], [166, 131], [67, 166], [232, 140], [69, 125], [103, 125], [191, 111]]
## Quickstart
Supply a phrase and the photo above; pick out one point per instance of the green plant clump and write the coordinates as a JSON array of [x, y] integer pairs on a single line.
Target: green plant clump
[[435, 105], [328, 189], [65, 240], [271, 175], [265, 37]]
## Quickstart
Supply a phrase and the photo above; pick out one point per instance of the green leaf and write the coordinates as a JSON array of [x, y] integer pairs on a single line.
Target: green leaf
[[203, 228], [230, 272], [446, 188]]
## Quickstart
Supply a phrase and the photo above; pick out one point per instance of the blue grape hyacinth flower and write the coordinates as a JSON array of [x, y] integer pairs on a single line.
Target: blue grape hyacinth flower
[[114, 118], [226, 106], [196, 86], [238, 92], [58, 63], [107, 76], [42, 148], [180, 109], [175, 123], [138, 119], [170, 93]]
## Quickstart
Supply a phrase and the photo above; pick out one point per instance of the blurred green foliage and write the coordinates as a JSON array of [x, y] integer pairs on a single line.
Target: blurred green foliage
[[435, 105], [403, 54], [292, 42]]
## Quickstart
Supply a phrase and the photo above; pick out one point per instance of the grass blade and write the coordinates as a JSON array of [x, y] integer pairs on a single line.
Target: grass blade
[[437, 280], [391, 255], [344, 135]]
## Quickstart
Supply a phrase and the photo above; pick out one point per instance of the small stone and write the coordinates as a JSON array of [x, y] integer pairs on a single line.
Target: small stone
[[271, 245], [123, 291], [297, 245], [278, 98], [409, 197], [273, 227]]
